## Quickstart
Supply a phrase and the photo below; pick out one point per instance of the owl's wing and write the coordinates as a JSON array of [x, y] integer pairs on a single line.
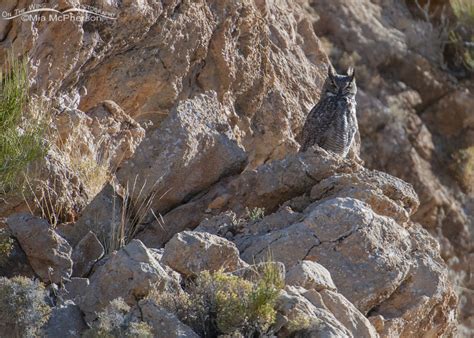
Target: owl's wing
[[317, 123]]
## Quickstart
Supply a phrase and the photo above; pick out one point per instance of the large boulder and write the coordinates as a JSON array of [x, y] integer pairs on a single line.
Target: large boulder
[[367, 254], [347, 314], [13, 261], [192, 149], [48, 253], [190, 252], [130, 273]]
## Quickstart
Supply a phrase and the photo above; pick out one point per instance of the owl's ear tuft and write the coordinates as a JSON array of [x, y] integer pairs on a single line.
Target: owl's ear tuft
[[331, 71], [351, 73]]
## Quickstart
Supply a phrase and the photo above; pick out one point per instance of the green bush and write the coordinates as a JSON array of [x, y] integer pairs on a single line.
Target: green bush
[[21, 126], [222, 303], [23, 308], [116, 321]]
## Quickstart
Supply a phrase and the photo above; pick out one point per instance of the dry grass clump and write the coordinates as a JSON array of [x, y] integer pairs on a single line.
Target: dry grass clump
[[221, 303], [135, 206]]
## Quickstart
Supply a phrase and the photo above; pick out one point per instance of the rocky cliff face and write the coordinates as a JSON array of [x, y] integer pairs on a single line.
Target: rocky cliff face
[[192, 110]]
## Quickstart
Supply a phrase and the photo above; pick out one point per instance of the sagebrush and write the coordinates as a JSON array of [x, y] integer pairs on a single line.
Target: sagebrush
[[222, 303], [116, 321], [23, 307]]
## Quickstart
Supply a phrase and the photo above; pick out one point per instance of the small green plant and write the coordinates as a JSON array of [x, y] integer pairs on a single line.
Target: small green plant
[[21, 125], [6, 245], [255, 214], [116, 320], [222, 303], [23, 308], [46, 201]]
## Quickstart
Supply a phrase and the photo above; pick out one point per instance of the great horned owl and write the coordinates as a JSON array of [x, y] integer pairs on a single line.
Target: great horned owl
[[332, 123]]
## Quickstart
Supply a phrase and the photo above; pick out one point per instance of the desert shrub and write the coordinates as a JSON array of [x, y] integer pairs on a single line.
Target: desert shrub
[[22, 126], [116, 321], [222, 303], [23, 308]]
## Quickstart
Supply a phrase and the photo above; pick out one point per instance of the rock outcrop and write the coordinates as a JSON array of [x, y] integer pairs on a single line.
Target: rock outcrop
[[414, 116], [174, 135], [48, 253], [130, 273]]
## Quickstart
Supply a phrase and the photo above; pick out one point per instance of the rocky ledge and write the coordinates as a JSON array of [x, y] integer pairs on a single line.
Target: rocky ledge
[[172, 200]]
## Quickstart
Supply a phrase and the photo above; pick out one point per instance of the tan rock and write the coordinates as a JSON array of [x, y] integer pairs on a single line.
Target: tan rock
[[304, 319], [48, 253], [409, 312], [266, 187], [191, 252], [162, 322], [101, 216], [310, 275], [345, 236], [191, 150], [86, 253], [129, 273], [348, 314], [387, 195]]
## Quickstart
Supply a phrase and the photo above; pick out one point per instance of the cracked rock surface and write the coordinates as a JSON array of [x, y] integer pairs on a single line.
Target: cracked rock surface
[[194, 108]]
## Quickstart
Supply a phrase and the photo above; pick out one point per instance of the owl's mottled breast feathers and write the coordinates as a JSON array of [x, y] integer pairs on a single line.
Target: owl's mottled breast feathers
[[332, 123]]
